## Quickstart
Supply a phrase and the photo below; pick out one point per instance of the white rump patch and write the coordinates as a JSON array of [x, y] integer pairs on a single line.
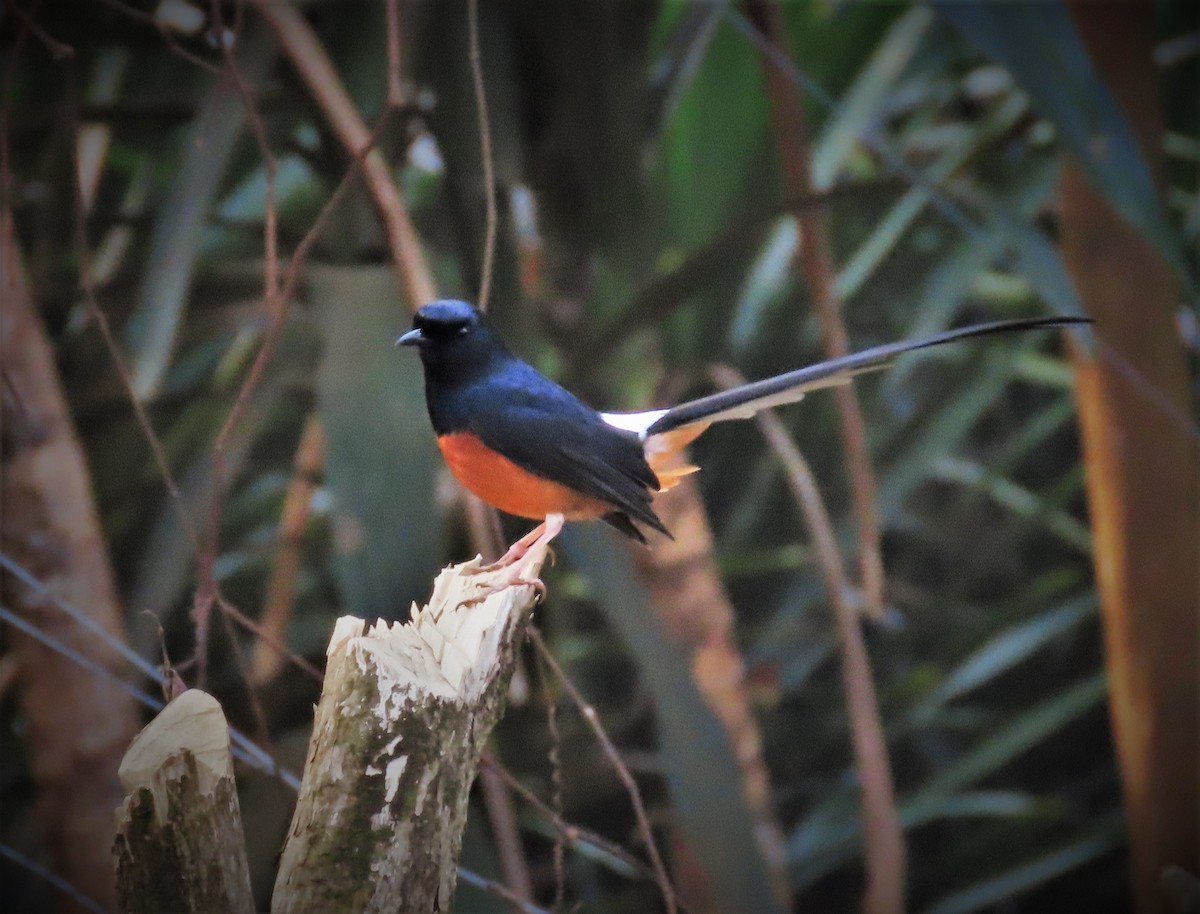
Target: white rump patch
[[634, 422]]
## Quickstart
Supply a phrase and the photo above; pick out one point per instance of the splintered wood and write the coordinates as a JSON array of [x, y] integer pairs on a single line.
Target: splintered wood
[[404, 716], [179, 844]]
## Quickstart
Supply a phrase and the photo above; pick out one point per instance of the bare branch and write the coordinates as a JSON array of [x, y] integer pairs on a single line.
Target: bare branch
[[309, 57], [614, 757], [485, 141], [884, 838]]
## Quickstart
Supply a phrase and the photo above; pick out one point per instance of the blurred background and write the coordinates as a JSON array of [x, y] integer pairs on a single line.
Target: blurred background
[[679, 186]]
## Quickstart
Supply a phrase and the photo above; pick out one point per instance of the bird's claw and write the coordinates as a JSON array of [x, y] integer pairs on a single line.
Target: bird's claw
[[517, 581]]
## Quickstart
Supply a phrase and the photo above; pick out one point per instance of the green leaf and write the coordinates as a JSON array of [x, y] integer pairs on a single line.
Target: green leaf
[[175, 239], [1016, 499], [715, 131], [862, 106], [1040, 46], [1022, 734], [1005, 886], [817, 849], [382, 459], [701, 768], [1006, 649]]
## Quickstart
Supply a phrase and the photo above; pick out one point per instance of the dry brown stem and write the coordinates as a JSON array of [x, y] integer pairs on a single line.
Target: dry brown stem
[[883, 835], [306, 53], [686, 591], [78, 723], [281, 586], [816, 258], [1143, 476]]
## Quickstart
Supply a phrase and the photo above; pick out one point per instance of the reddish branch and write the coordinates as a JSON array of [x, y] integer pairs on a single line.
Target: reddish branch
[[306, 53], [281, 586], [885, 852], [79, 723], [816, 257], [1142, 482]]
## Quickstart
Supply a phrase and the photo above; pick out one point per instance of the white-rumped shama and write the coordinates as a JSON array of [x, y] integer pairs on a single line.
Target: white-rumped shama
[[529, 447]]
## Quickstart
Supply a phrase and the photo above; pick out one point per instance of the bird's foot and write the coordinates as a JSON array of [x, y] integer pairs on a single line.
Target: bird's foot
[[541, 535], [513, 578]]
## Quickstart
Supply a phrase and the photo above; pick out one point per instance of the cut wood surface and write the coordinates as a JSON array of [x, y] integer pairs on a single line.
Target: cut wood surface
[[405, 713], [179, 843]]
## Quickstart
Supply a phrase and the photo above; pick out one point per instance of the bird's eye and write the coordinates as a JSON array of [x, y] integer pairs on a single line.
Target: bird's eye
[[461, 331]]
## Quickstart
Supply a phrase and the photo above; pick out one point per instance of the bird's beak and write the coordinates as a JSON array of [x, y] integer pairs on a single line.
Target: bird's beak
[[412, 338]]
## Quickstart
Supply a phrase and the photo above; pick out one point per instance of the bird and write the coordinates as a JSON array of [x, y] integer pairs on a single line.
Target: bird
[[529, 447]]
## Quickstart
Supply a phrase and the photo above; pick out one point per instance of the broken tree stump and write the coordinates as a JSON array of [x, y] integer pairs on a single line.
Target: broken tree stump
[[404, 715], [179, 844]]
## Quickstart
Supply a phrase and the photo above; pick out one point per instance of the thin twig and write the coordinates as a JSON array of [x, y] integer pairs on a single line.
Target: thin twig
[[503, 819], [157, 24], [570, 832], [490, 885], [88, 287], [816, 256], [244, 748], [281, 584], [395, 85], [556, 793], [28, 863], [277, 310], [58, 50], [485, 142], [622, 770], [262, 732], [306, 53], [207, 592], [883, 836]]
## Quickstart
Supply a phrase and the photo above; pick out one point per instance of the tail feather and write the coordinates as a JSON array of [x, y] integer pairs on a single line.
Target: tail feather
[[664, 453], [743, 402]]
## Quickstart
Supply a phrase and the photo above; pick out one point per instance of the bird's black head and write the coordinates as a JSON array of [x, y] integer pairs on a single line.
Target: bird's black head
[[455, 341]]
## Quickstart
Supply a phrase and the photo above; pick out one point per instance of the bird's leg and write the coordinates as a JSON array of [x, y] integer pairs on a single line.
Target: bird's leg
[[541, 535]]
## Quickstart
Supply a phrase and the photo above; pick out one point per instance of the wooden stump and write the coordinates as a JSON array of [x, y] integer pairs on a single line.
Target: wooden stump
[[404, 716]]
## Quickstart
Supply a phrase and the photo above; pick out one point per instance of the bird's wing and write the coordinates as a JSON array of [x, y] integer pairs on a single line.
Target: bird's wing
[[548, 432]]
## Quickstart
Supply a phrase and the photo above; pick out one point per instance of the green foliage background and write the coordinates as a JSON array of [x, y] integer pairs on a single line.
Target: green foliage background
[[642, 131]]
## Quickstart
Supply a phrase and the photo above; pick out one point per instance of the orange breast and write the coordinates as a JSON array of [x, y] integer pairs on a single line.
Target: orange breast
[[503, 484]]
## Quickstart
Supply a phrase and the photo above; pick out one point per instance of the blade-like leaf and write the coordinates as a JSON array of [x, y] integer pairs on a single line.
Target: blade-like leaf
[[1007, 649], [698, 760], [1040, 46], [1006, 885], [381, 458]]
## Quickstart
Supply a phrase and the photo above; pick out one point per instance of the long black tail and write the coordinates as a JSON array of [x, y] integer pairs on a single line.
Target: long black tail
[[743, 402]]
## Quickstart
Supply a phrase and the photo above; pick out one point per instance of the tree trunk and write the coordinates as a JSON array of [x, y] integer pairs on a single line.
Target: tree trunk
[[405, 713], [1141, 476], [179, 843]]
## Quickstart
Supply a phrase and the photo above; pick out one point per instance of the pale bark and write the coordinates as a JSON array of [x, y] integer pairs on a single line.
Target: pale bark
[[179, 844], [404, 716]]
